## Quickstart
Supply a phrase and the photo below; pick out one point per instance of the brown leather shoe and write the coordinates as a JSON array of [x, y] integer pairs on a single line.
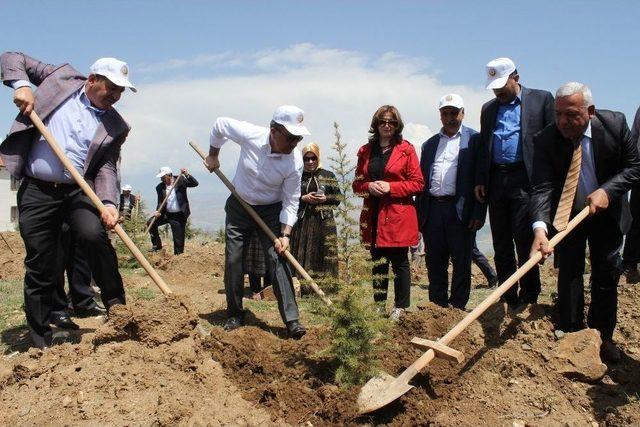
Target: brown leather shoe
[[609, 352]]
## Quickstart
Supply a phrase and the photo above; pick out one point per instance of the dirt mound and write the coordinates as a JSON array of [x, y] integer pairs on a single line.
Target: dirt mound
[[148, 369], [160, 321], [12, 257]]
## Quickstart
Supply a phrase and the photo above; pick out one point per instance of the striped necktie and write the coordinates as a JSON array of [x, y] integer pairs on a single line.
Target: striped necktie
[[569, 190]]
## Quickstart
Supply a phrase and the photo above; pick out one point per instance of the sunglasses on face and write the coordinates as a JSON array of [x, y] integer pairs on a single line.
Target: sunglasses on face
[[390, 123], [310, 159], [292, 139]]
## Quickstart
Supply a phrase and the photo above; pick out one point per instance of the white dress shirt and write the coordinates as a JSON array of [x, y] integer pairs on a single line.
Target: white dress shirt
[[587, 182], [172, 200], [445, 166], [262, 177]]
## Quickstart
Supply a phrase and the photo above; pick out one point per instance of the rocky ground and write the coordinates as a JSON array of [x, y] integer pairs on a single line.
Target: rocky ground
[[149, 364]]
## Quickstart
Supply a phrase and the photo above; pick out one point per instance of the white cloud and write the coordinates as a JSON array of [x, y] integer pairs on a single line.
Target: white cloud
[[329, 84]]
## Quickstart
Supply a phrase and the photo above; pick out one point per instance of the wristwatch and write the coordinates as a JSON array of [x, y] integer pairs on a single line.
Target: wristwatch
[[287, 235]]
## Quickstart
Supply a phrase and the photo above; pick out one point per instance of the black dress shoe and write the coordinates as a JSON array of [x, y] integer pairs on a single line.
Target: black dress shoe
[[233, 323], [40, 341], [295, 329], [63, 321], [92, 311]]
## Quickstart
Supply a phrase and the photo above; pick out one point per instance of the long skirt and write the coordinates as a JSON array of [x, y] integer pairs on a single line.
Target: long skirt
[[314, 245]]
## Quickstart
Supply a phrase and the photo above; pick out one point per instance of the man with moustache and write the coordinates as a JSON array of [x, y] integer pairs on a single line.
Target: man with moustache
[[507, 125], [79, 112], [268, 178], [448, 212], [586, 158]]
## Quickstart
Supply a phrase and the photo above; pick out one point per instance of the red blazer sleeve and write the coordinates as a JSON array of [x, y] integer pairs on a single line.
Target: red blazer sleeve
[[360, 184], [413, 182]]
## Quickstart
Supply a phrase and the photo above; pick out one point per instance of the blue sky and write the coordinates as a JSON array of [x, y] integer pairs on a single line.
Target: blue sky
[[338, 60]]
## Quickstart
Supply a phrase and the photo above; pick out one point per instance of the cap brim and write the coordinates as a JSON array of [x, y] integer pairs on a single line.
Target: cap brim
[[298, 130], [160, 175], [122, 83], [458, 107], [496, 83]]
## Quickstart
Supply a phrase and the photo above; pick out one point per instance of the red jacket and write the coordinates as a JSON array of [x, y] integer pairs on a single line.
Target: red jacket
[[397, 217]]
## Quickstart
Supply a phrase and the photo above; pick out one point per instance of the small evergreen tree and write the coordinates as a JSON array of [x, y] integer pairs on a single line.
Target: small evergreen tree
[[355, 323]]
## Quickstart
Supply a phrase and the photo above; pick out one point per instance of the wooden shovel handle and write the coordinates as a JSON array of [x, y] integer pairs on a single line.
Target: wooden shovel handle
[[252, 213], [97, 202], [424, 360], [164, 202]]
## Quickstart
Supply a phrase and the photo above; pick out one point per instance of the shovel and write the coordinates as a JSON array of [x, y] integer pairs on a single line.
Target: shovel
[[384, 389], [97, 202], [265, 229], [164, 202]]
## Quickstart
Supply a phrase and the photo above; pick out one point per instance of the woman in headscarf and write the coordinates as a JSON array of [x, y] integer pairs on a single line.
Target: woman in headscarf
[[387, 177], [313, 239]]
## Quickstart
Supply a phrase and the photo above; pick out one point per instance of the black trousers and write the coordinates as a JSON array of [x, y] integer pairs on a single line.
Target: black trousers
[[446, 237], [239, 227], [399, 260], [178, 223], [605, 241], [511, 231], [631, 253], [73, 259], [43, 208], [482, 262]]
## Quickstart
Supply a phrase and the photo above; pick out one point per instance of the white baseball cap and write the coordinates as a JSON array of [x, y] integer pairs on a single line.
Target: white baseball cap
[[113, 69], [127, 188], [451, 100], [165, 170], [498, 72], [291, 117]]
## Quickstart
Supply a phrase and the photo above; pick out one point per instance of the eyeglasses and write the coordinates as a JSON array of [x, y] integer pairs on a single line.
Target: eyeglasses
[[310, 159], [390, 123], [292, 139]]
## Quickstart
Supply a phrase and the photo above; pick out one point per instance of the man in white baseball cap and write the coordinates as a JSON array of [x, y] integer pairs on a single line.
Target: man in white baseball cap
[[505, 164], [448, 213], [268, 178], [79, 113]]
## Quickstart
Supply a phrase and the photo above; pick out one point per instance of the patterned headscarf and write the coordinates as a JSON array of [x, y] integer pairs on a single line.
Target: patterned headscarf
[[313, 148]]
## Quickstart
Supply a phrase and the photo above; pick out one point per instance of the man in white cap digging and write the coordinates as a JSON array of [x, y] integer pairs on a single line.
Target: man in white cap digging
[[127, 202], [503, 175], [79, 112], [175, 210], [268, 178]]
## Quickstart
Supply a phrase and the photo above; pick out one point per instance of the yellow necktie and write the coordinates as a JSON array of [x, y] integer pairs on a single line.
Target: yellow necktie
[[569, 190]]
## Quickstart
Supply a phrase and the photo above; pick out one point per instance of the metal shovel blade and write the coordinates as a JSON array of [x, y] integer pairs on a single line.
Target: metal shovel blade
[[380, 391]]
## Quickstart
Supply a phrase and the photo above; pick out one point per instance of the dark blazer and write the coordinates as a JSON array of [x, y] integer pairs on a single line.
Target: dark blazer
[[55, 84], [635, 129], [617, 166], [467, 206], [185, 182], [132, 203], [536, 112]]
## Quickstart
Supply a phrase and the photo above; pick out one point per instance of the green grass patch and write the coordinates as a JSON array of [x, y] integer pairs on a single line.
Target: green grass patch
[[146, 294]]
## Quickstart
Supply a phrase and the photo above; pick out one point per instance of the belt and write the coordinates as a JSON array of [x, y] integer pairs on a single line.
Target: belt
[[508, 167], [56, 185], [443, 198]]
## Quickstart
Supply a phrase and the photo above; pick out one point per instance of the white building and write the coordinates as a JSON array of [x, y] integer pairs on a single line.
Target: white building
[[8, 201]]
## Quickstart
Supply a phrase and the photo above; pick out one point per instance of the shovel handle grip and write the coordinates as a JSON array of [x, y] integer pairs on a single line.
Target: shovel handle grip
[[97, 202], [424, 360], [252, 213]]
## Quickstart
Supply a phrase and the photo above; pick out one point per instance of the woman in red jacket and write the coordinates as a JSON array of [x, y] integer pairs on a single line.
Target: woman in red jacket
[[388, 176]]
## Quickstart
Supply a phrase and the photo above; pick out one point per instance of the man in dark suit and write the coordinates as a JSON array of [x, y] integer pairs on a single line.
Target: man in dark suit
[[79, 112], [176, 209], [127, 202], [608, 168], [631, 253], [448, 213], [507, 126]]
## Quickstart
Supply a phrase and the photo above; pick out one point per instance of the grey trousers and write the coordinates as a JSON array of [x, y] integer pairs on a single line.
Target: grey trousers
[[238, 229]]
